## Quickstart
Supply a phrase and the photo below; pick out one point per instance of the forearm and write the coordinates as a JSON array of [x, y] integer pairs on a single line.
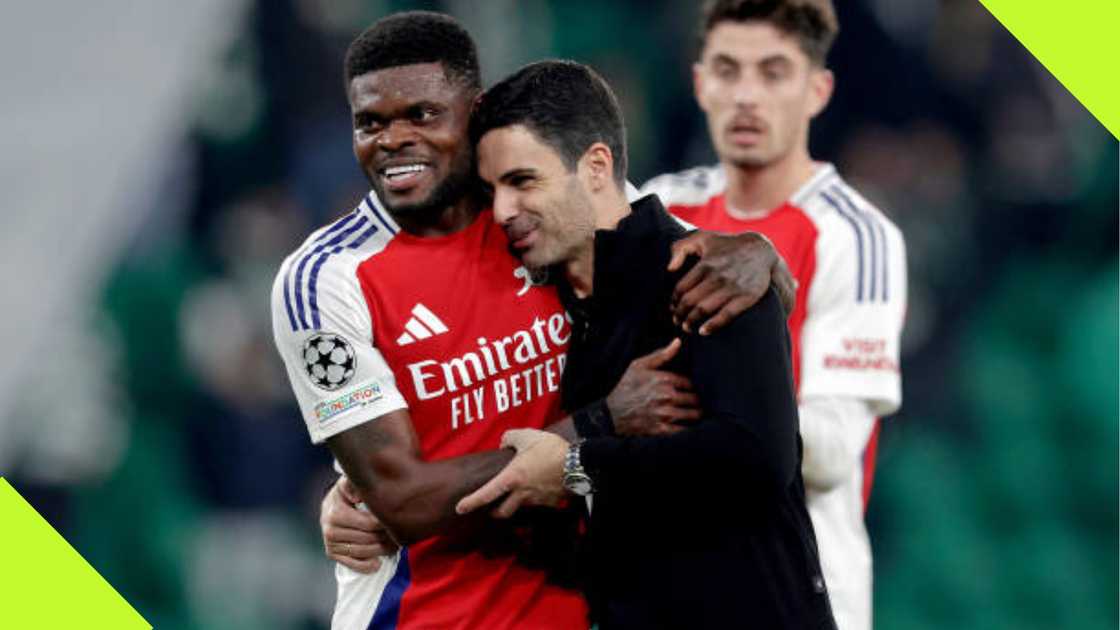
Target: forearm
[[742, 377], [675, 465], [565, 428], [593, 420], [834, 432], [414, 498], [420, 502]]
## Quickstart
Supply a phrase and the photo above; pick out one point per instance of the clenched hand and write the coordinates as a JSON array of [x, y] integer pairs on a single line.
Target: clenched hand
[[651, 401], [733, 273], [352, 536]]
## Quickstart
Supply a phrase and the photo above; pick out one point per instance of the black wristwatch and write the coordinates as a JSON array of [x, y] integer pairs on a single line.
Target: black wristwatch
[[576, 479]]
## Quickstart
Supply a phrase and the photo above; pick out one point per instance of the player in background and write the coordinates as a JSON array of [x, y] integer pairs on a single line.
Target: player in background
[[761, 78], [413, 340]]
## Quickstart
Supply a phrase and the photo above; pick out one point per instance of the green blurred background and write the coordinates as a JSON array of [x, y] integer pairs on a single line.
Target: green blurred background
[[172, 155]]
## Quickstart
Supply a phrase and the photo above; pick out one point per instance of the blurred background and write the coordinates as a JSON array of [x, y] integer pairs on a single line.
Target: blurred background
[[161, 158]]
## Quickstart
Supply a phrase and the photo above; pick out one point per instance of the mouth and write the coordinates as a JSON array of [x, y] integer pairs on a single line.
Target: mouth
[[402, 177], [522, 237], [746, 132]]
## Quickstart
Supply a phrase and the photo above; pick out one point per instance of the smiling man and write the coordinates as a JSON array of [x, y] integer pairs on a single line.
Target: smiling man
[[552, 147], [413, 340]]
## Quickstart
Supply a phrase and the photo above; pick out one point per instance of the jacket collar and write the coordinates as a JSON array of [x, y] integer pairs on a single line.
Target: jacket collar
[[637, 249]]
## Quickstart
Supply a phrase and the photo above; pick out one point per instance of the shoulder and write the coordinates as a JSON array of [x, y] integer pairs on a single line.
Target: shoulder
[[688, 187], [844, 217], [860, 253], [320, 273]]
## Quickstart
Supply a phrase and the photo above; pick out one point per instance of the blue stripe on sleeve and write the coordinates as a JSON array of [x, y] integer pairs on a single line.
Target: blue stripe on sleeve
[[377, 212], [288, 301], [303, 263], [875, 226], [863, 218], [388, 612], [312, 283], [338, 225], [859, 240], [886, 259]]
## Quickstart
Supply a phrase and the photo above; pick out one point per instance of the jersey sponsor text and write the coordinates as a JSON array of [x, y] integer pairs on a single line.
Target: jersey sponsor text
[[525, 351]]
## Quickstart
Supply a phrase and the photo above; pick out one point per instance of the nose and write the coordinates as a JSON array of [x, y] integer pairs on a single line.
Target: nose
[[745, 91], [505, 206], [395, 136]]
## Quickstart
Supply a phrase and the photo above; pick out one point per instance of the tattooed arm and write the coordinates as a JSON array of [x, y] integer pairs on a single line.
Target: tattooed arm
[[413, 498]]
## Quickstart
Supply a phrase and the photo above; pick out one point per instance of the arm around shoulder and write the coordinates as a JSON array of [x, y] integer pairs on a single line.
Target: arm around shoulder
[[749, 428]]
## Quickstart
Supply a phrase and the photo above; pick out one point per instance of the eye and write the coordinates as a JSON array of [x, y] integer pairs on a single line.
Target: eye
[[423, 114], [775, 71], [366, 123], [726, 70], [521, 182]]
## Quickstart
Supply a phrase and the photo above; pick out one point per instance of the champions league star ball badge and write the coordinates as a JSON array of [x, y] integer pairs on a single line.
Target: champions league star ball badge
[[329, 361]]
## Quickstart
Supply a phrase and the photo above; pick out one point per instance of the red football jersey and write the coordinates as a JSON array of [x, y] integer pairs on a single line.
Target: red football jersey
[[454, 329]]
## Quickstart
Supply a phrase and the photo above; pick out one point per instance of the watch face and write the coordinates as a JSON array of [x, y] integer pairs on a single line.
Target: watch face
[[578, 484]]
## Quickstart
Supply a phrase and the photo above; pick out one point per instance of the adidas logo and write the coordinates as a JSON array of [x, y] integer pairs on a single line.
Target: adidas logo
[[421, 325]]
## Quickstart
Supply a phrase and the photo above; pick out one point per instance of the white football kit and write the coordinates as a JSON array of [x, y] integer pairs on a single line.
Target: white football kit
[[850, 263]]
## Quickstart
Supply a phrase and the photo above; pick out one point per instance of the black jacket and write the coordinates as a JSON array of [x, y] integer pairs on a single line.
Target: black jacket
[[706, 528]]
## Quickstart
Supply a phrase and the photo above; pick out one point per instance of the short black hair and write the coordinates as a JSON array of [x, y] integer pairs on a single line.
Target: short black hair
[[564, 103], [411, 37], [812, 22]]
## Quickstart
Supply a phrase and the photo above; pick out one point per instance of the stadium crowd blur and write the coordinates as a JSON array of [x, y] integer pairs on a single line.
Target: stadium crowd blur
[[186, 477]]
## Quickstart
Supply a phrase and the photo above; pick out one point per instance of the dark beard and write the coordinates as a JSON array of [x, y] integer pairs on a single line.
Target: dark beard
[[446, 194]]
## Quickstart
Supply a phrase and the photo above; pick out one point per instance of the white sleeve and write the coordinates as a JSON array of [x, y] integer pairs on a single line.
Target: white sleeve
[[668, 187], [649, 188], [834, 432], [340, 379], [855, 308]]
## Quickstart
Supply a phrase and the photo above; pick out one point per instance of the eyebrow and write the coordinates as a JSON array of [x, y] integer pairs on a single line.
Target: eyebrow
[[368, 108], [772, 60], [725, 58], [777, 59], [517, 172]]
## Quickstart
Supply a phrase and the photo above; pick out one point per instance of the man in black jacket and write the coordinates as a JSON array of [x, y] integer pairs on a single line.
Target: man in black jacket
[[551, 146]]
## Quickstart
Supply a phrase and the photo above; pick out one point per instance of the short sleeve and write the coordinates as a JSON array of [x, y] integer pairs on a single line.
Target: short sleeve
[[339, 378], [855, 310]]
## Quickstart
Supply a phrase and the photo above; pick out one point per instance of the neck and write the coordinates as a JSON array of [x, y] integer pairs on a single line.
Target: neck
[[609, 208], [448, 220], [580, 270], [754, 191]]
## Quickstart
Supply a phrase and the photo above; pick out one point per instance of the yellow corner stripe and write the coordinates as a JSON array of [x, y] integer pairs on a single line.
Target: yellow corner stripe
[[44, 583], [1076, 42]]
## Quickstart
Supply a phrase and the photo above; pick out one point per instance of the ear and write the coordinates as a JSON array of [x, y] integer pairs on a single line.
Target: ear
[[698, 84], [821, 84], [596, 166]]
